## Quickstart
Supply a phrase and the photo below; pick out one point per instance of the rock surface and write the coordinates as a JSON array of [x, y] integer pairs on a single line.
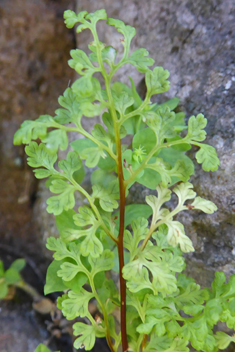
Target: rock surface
[[194, 40], [33, 62], [34, 72]]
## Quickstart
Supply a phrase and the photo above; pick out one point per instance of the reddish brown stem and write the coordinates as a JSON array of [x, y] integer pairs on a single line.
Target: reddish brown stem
[[121, 250], [144, 342], [122, 192]]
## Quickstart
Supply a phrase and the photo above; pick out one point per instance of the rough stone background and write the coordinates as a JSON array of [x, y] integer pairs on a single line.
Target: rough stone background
[[194, 40], [34, 72], [34, 49]]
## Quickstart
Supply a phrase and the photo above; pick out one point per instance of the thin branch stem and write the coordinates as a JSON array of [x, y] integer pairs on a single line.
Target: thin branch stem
[[144, 342], [153, 227], [94, 208], [123, 60], [108, 336], [122, 191], [89, 136], [29, 289], [135, 112], [149, 156]]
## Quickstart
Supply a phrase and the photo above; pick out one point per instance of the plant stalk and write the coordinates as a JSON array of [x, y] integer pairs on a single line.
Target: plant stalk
[[144, 342], [121, 253], [108, 337], [28, 289], [122, 191]]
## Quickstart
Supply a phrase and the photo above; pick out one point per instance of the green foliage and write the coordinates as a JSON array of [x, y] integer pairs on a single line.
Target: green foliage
[[42, 348], [87, 335], [11, 276], [146, 240]]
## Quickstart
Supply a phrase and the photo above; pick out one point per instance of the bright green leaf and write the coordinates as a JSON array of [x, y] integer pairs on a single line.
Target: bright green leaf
[[156, 81], [150, 179], [205, 205], [1, 269], [100, 133], [133, 212], [71, 18], [92, 156], [102, 177], [72, 164], [60, 248], [160, 343], [140, 59], [140, 231], [77, 282], [54, 283], [223, 339], [104, 262], [18, 264], [164, 194], [147, 327], [56, 139], [84, 217], [108, 55], [122, 102], [196, 127], [42, 348], [176, 235], [66, 226], [33, 129], [41, 173], [68, 271], [144, 138], [87, 335], [127, 31], [184, 192], [71, 112], [39, 155], [107, 197], [64, 201], [12, 276], [196, 332], [76, 305], [161, 122], [172, 103], [81, 63], [91, 245], [97, 16], [3, 289], [190, 295], [207, 156], [179, 162], [83, 143], [159, 264]]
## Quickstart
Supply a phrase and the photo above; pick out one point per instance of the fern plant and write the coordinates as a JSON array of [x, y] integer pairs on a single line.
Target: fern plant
[[137, 142]]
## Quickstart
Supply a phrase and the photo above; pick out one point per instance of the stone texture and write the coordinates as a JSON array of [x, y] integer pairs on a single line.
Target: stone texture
[[16, 336], [34, 72], [33, 62], [194, 41]]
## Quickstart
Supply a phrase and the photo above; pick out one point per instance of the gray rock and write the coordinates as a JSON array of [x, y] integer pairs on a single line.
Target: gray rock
[[34, 52], [194, 41]]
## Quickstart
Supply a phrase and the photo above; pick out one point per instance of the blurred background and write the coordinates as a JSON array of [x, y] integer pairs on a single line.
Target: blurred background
[[195, 41]]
